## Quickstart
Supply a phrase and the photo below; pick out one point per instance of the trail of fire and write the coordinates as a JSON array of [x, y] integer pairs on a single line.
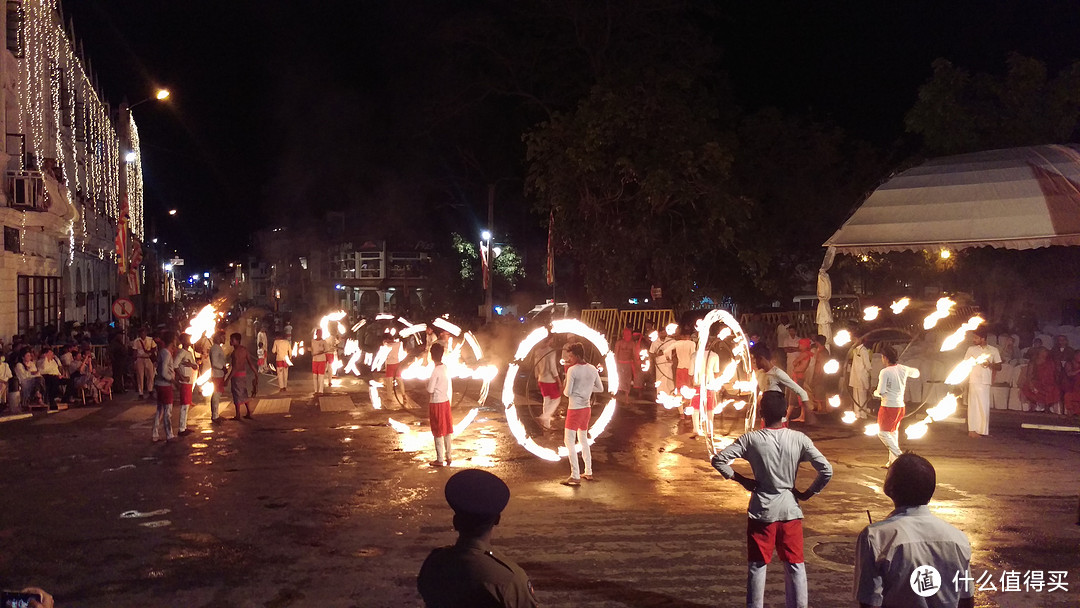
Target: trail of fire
[[957, 337]]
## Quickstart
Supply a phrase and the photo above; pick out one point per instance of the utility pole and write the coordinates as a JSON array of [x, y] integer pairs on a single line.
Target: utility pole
[[488, 302]]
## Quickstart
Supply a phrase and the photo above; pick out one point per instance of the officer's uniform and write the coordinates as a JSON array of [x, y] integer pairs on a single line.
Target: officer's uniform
[[469, 574]]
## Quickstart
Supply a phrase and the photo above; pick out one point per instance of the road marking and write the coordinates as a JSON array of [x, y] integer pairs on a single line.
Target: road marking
[[337, 403], [273, 406], [15, 417]]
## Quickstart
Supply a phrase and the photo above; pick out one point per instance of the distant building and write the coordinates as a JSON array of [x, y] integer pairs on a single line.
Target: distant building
[[62, 197], [369, 277]]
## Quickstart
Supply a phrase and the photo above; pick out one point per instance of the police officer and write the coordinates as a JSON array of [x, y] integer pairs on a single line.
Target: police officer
[[469, 574]]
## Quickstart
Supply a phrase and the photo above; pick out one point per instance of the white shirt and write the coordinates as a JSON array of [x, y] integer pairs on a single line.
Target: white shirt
[[142, 347], [166, 371], [887, 553], [774, 455], [217, 361], [318, 350], [711, 371], [184, 374], [547, 367], [860, 368], [439, 384], [684, 351], [981, 374], [774, 378], [788, 341], [892, 381], [582, 380], [282, 349], [260, 340], [394, 356], [49, 367]]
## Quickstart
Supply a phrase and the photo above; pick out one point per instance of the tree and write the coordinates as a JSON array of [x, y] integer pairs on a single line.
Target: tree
[[959, 112], [636, 179]]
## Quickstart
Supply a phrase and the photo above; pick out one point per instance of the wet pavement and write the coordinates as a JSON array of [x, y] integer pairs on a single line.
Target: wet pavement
[[307, 506]]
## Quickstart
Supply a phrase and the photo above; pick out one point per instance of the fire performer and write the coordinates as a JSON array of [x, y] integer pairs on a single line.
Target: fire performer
[[892, 381], [163, 387], [318, 361], [774, 516], [626, 358], [770, 378], [185, 366], [660, 351], [859, 378], [582, 380], [261, 345], [217, 374], [440, 388], [683, 357], [702, 409], [282, 350], [988, 360], [331, 353], [547, 378], [239, 363]]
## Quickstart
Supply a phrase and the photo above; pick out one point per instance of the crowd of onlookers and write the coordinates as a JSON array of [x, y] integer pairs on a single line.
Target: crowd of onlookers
[[50, 368]]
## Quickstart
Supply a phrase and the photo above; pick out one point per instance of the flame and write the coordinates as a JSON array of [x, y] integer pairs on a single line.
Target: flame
[[445, 325], [688, 392], [963, 369], [398, 426], [359, 324], [848, 417], [954, 340], [203, 324], [944, 307], [324, 323], [654, 336], [668, 401], [645, 361], [831, 366], [671, 328], [916, 431], [945, 408], [899, 305], [373, 392], [466, 421], [724, 333], [834, 401], [739, 405], [842, 337], [871, 312], [872, 429]]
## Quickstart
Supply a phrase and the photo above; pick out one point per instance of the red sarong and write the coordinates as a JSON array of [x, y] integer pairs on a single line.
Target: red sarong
[[578, 419], [440, 418], [549, 390], [888, 418], [785, 536]]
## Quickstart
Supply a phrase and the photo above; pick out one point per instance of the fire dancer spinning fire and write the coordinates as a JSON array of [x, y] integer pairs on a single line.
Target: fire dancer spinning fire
[[987, 360], [892, 381], [440, 388], [774, 516], [582, 380], [318, 361], [547, 378]]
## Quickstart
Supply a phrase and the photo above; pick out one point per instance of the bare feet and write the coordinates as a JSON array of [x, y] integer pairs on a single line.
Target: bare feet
[[973, 435]]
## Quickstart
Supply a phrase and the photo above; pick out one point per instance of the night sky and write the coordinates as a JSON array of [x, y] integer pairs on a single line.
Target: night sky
[[281, 111]]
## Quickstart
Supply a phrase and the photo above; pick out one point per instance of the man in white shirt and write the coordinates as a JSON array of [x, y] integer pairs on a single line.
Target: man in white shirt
[[582, 380], [789, 343], [859, 378], [143, 347], [440, 388], [163, 387], [683, 355], [261, 345], [702, 409], [49, 368], [282, 354], [547, 378], [987, 361], [185, 368], [318, 361], [771, 378], [774, 516], [891, 554], [660, 351], [892, 382], [217, 373]]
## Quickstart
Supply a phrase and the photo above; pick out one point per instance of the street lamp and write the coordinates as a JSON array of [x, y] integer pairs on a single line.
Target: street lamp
[[160, 95], [172, 211]]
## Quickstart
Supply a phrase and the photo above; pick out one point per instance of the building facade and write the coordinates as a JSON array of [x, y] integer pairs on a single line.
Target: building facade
[[72, 181]]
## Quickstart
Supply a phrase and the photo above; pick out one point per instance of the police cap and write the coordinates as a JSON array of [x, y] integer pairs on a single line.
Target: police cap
[[476, 492]]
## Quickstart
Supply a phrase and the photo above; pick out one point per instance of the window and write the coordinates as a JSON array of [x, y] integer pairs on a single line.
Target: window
[[15, 17], [12, 240], [38, 302], [371, 265]]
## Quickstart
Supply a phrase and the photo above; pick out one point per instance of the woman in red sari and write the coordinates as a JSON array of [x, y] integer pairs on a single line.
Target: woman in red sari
[[1039, 386], [1071, 385]]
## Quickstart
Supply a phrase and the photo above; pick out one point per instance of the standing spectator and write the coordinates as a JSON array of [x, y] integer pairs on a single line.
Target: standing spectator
[[582, 380], [859, 378], [683, 361], [888, 552], [318, 361], [1061, 354], [282, 351], [143, 348], [120, 361], [261, 346], [217, 374], [5, 380], [163, 387], [185, 368], [789, 343], [774, 516], [1071, 398], [892, 382], [987, 360], [469, 574], [625, 359], [440, 388]]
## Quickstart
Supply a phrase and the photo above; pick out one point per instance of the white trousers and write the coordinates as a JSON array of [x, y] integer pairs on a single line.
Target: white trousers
[[163, 418], [891, 439], [979, 408], [861, 397], [794, 585], [144, 376], [550, 405], [283, 377], [318, 379], [442, 448], [569, 438], [215, 402], [183, 417]]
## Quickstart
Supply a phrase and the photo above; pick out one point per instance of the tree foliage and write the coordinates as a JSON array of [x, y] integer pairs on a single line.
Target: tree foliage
[[958, 111]]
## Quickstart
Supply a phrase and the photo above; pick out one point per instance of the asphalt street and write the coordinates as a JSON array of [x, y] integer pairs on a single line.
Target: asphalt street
[[320, 502]]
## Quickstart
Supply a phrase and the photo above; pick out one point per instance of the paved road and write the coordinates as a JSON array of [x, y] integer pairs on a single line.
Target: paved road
[[304, 506]]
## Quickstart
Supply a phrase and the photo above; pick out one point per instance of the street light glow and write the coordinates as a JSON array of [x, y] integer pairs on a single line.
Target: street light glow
[[162, 94], [486, 235], [497, 251], [945, 254], [172, 211], [129, 157]]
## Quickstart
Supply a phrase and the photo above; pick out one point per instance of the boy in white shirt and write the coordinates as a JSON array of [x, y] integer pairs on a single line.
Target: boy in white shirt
[[282, 351], [439, 389], [892, 382], [184, 365]]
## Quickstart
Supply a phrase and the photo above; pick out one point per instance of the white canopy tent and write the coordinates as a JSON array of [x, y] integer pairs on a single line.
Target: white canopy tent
[[1016, 198]]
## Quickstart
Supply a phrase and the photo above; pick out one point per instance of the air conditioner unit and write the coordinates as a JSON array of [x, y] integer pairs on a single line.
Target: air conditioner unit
[[27, 190]]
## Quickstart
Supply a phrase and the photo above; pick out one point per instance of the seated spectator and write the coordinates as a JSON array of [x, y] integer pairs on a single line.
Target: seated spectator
[[1009, 353], [888, 552], [5, 383], [1030, 351], [56, 381], [1071, 385], [1039, 384], [30, 383]]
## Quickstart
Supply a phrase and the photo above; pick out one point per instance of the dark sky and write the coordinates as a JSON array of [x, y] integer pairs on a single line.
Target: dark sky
[[282, 110]]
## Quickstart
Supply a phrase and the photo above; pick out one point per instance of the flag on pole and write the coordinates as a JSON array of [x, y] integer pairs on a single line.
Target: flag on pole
[[121, 238], [484, 270], [550, 248]]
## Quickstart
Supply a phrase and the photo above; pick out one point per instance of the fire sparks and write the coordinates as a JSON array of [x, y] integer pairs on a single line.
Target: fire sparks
[[957, 337], [871, 312], [945, 408], [849, 417], [899, 305], [944, 308], [671, 328], [842, 337], [963, 369], [872, 429], [834, 401], [831, 366], [917, 430]]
